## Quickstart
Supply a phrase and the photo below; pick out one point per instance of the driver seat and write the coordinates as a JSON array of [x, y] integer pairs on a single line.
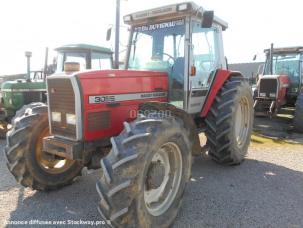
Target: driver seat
[[178, 71]]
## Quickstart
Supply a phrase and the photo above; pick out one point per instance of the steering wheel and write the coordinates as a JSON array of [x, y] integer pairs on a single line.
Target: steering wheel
[[170, 58]]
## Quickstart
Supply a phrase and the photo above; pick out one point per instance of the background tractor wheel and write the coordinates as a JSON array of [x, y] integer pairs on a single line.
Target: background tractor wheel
[[229, 122], [25, 158], [145, 174], [298, 120], [3, 129]]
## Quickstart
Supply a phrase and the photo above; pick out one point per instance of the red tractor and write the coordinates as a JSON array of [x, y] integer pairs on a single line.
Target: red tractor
[[142, 122], [281, 84]]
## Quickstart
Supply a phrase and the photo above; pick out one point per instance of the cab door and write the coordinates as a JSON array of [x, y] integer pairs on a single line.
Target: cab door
[[205, 58]]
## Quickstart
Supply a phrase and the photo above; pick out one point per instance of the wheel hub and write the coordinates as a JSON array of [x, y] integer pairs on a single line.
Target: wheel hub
[[242, 121], [163, 179], [155, 175], [47, 162]]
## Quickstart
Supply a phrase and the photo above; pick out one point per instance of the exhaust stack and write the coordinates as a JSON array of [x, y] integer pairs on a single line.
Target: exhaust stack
[[271, 57], [28, 56]]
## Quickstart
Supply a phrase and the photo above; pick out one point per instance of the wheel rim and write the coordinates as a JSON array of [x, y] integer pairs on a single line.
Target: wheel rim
[[242, 121], [158, 198], [47, 162]]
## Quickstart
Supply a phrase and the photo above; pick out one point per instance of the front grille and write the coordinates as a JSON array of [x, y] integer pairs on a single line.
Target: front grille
[[62, 99], [268, 86], [98, 121]]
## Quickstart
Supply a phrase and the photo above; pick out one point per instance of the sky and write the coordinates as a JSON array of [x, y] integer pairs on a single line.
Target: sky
[[33, 25]]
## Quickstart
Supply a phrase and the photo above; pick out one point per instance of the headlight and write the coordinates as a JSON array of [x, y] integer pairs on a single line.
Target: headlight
[[71, 119], [56, 116], [272, 95], [262, 94]]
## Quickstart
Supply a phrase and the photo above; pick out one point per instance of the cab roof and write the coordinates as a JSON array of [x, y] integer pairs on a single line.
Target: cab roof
[[171, 11], [84, 47], [296, 49]]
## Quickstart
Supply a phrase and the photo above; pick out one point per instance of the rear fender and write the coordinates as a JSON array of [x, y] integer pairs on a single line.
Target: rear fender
[[220, 78]]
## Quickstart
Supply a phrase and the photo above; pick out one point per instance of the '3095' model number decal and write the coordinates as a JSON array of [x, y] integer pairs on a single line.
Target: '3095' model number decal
[[125, 97]]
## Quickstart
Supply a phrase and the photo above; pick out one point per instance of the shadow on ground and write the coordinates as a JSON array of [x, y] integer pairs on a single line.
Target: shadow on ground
[[277, 128], [257, 194], [75, 202]]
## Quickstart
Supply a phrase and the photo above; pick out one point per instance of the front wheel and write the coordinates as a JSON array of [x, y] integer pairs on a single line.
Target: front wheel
[[26, 160], [145, 174]]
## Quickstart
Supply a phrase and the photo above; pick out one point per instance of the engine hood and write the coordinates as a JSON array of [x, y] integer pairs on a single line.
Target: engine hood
[[118, 73], [283, 80], [22, 85]]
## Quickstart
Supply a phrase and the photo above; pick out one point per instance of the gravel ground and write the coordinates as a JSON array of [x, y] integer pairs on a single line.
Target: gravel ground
[[265, 191]]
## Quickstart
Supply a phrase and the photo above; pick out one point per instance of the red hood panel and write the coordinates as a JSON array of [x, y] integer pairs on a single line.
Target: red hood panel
[[111, 97], [119, 73]]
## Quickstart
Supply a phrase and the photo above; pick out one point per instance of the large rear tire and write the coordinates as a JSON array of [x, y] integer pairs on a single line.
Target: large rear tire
[[145, 174], [229, 122], [26, 160], [298, 119]]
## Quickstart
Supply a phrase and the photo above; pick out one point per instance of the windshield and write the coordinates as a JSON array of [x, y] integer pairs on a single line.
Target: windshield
[[77, 57], [101, 61], [157, 46], [288, 64]]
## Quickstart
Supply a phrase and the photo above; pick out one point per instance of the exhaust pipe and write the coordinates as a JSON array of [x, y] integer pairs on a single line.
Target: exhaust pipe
[[271, 57], [45, 62], [28, 56]]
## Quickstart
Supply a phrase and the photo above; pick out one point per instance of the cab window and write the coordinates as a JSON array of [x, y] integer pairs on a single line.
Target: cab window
[[101, 61]]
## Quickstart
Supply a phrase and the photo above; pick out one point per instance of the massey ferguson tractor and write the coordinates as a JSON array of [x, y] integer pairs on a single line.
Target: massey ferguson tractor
[[141, 124], [281, 84]]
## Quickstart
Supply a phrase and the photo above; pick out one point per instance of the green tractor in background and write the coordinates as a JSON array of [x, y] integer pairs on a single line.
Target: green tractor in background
[[17, 93]]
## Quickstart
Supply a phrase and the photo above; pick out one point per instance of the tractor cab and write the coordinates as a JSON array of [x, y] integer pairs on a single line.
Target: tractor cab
[[182, 40], [85, 56]]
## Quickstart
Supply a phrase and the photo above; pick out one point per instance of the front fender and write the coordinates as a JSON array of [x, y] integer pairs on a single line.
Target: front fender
[[220, 78]]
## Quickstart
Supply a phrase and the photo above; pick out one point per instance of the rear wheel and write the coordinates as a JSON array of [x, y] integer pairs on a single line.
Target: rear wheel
[[25, 157], [145, 174], [298, 119], [229, 122]]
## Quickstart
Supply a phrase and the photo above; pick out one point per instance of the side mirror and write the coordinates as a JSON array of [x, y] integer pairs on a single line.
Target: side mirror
[[208, 18], [108, 34]]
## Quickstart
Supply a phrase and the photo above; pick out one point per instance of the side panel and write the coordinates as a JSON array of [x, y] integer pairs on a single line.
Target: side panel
[[220, 78], [284, 84], [109, 101]]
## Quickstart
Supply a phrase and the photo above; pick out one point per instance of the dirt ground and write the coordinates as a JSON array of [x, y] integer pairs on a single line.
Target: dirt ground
[[265, 191]]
